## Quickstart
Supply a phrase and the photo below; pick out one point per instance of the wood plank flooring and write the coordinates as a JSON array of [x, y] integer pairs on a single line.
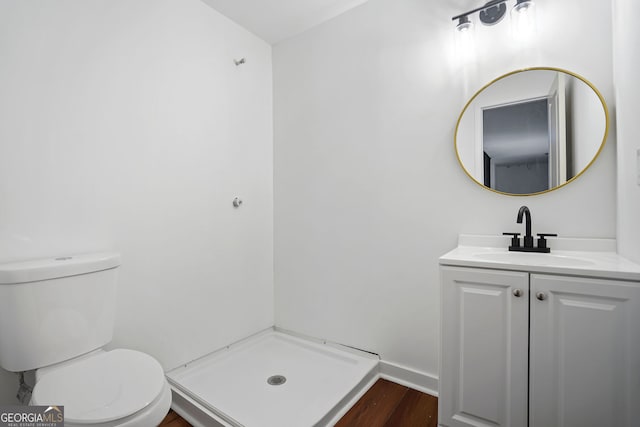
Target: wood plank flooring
[[385, 404], [174, 420]]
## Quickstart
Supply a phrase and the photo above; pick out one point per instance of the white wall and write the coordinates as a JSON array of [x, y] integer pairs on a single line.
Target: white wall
[[626, 58], [368, 192], [125, 125]]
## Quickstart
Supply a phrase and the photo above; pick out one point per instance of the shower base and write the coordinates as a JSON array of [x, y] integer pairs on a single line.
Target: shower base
[[273, 379]]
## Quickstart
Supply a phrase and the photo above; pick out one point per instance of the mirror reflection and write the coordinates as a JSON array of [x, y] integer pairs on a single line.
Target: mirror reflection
[[531, 131]]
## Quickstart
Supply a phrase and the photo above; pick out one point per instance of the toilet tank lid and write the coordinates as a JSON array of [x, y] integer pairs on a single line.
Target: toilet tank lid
[[56, 267]]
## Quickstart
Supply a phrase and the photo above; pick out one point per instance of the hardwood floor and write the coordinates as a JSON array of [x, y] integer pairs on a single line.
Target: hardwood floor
[[388, 404], [174, 420], [385, 404]]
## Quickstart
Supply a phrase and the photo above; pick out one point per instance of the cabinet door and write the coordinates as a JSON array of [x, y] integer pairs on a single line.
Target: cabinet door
[[484, 342], [585, 352]]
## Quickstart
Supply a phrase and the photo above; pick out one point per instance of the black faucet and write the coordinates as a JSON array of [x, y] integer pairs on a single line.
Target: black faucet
[[528, 238]]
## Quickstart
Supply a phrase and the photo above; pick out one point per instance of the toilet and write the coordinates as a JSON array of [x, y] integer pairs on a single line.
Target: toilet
[[56, 314]]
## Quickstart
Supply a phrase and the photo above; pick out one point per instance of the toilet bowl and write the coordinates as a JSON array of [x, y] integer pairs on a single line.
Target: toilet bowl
[[120, 387], [56, 315]]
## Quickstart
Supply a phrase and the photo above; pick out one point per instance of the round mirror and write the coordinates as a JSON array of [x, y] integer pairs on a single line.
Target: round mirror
[[531, 131]]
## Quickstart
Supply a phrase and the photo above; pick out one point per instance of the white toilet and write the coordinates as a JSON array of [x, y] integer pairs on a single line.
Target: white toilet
[[55, 316]]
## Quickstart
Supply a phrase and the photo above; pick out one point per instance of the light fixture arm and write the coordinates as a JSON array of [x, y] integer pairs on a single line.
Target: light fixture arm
[[478, 9]]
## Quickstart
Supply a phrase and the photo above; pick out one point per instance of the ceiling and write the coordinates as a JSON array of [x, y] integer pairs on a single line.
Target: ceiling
[[276, 20]]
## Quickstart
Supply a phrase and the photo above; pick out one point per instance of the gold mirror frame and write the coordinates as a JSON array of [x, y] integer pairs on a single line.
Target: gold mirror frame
[[587, 82]]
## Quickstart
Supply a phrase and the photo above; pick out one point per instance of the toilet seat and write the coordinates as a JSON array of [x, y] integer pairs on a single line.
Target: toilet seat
[[103, 387]]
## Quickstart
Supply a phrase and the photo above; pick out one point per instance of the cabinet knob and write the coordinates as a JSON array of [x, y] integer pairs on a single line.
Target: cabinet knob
[[517, 293], [541, 296]]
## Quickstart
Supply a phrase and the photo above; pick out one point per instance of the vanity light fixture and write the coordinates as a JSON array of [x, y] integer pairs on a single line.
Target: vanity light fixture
[[492, 12]]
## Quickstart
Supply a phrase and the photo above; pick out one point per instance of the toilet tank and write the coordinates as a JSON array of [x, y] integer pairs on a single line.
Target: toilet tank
[[55, 309]]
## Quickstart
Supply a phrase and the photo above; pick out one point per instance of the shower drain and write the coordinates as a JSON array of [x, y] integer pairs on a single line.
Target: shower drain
[[276, 380]]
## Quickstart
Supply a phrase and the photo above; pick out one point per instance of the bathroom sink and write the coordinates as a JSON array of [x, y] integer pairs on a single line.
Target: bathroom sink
[[571, 256], [533, 259]]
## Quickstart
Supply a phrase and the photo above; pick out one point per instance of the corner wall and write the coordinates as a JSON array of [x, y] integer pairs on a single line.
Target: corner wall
[[125, 125], [368, 191], [626, 62]]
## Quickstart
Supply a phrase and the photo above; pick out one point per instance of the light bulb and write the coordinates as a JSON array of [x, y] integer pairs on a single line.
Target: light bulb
[[464, 40], [523, 20]]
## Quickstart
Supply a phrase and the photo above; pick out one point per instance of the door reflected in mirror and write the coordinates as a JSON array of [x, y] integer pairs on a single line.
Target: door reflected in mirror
[[531, 131]]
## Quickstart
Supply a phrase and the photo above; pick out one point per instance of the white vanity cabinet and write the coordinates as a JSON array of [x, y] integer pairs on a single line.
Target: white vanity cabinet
[[523, 348], [485, 339], [584, 351]]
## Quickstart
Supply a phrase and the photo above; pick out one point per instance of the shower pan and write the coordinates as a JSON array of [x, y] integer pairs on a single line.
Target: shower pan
[[273, 379]]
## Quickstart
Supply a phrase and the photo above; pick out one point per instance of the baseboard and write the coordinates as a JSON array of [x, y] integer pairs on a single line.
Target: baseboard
[[408, 377]]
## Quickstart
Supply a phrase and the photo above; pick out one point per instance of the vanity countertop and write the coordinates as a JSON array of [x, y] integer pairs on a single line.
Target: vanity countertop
[[569, 256]]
